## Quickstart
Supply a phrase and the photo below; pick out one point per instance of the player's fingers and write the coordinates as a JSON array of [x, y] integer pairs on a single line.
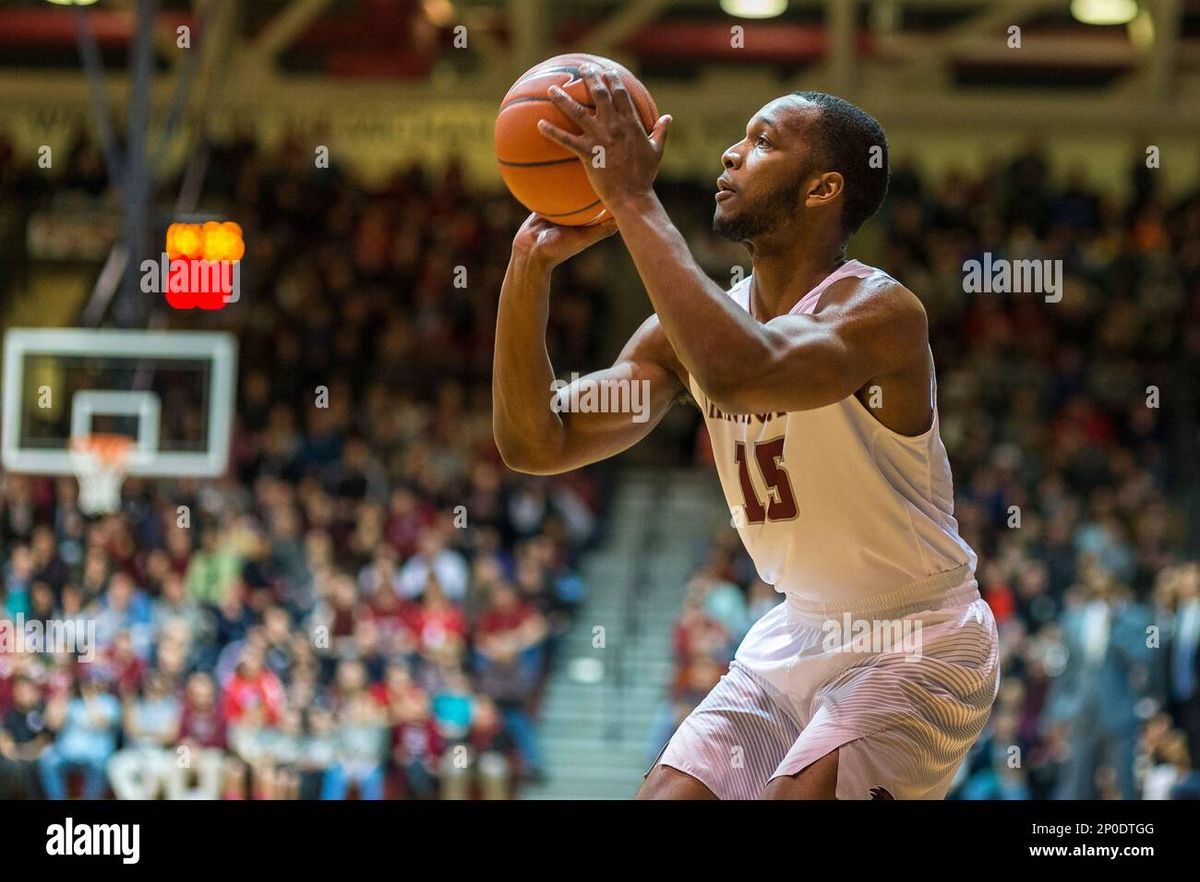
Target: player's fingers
[[601, 96], [659, 134], [572, 108], [621, 98], [535, 222], [574, 143]]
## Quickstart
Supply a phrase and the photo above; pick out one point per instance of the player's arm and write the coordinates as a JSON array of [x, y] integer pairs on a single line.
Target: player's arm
[[532, 435], [864, 332]]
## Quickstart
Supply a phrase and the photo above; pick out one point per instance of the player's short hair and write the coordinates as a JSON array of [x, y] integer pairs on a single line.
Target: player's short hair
[[847, 135]]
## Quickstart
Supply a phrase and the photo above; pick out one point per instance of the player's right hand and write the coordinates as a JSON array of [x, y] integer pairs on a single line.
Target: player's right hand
[[551, 243]]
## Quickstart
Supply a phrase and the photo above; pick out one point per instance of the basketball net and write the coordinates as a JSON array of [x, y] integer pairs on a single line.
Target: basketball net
[[100, 461]]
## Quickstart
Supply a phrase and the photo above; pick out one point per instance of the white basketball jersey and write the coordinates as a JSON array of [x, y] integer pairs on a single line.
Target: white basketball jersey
[[833, 506]]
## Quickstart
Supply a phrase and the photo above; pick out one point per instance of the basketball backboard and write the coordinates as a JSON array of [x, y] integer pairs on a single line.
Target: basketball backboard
[[172, 392]]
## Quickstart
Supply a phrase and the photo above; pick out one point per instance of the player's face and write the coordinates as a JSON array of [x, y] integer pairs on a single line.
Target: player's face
[[766, 172]]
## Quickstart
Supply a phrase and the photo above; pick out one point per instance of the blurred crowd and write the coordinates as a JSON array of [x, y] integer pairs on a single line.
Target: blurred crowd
[[1071, 428], [369, 602]]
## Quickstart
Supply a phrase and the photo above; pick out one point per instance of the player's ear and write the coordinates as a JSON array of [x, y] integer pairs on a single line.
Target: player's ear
[[824, 188]]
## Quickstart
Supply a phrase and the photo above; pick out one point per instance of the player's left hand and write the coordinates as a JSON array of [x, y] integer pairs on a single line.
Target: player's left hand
[[620, 159]]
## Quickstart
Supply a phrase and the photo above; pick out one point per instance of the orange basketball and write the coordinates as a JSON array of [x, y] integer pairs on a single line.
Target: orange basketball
[[543, 176]]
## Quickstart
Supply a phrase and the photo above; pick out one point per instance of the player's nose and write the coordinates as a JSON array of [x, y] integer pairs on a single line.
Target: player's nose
[[731, 158]]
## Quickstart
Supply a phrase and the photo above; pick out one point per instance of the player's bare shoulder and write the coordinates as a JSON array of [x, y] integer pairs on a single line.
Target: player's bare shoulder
[[879, 309]]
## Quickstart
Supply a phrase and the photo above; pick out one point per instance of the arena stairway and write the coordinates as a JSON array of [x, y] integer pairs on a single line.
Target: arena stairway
[[602, 703]]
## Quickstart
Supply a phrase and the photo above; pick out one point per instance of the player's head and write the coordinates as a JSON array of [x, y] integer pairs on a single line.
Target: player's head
[[809, 155]]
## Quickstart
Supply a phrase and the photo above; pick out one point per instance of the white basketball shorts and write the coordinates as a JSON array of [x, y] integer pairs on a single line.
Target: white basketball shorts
[[902, 689]]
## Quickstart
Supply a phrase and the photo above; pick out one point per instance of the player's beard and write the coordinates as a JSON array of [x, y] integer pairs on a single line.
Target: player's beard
[[777, 209]]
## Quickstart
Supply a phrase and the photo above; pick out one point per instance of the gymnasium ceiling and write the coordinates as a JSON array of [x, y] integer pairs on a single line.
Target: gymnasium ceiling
[[956, 42]]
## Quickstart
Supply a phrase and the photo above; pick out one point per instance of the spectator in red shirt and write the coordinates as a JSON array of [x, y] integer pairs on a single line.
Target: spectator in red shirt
[[416, 747], [253, 684], [392, 619], [407, 518], [508, 657], [201, 724], [399, 694], [179, 550], [510, 624], [121, 667], [416, 740], [438, 624]]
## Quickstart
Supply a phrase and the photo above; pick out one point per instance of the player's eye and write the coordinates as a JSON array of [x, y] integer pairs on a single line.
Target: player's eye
[[762, 141]]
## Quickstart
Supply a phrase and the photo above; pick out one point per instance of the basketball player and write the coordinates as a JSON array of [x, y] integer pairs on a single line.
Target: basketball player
[[816, 381]]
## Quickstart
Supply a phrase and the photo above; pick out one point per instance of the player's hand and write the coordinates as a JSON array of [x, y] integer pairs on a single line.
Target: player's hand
[[621, 161], [551, 243]]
